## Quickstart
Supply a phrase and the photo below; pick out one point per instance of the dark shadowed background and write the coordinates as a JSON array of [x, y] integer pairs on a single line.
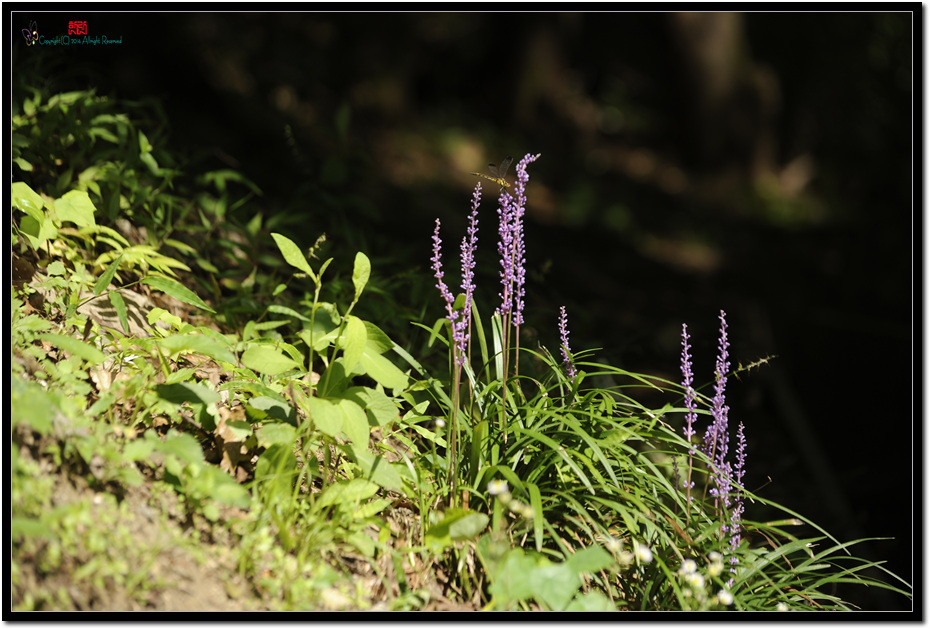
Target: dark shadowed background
[[758, 163]]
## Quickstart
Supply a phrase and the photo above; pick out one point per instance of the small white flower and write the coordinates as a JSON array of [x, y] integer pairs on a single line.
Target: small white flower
[[725, 597], [626, 558], [781, 606], [497, 487], [688, 566], [714, 557], [714, 569], [695, 580], [643, 553], [440, 423], [613, 545]]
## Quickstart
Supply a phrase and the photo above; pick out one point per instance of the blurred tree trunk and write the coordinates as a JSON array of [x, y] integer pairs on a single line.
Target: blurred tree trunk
[[733, 100]]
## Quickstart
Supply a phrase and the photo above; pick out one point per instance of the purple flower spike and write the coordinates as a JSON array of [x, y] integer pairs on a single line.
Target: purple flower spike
[[566, 350], [715, 440], [687, 380], [458, 329], [511, 247]]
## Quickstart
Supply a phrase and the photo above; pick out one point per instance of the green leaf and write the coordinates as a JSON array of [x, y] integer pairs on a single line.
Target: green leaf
[[292, 254], [290, 312], [144, 145], [276, 469], [361, 273], [370, 509], [38, 231], [380, 408], [511, 581], [591, 602], [138, 449], [116, 300], [182, 445], [456, 525], [354, 422], [27, 200], [325, 416], [73, 346], [378, 341], [30, 403], [267, 360], [197, 344], [353, 341], [104, 280], [383, 371], [347, 492], [176, 290], [266, 408], [75, 206], [590, 559], [275, 433], [190, 392], [554, 584], [375, 468]]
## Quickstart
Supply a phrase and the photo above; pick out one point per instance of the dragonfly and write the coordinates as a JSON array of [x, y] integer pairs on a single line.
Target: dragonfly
[[498, 173]]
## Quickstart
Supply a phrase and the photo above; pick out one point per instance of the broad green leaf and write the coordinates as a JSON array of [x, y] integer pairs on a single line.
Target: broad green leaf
[[149, 160], [590, 559], [138, 449], [30, 527], [116, 300], [375, 468], [267, 360], [190, 392], [325, 330], [353, 341], [75, 206], [73, 346], [107, 276], [383, 371], [197, 344], [511, 582], [27, 200], [378, 341], [182, 445], [275, 433], [347, 492], [290, 312], [176, 290], [456, 525], [276, 469], [267, 408], [228, 491], [144, 145], [362, 542], [369, 509], [554, 584], [324, 415], [591, 602], [292, 254], [354, 422], [379, 406], [361, 273], [38, 231], [31, 404]]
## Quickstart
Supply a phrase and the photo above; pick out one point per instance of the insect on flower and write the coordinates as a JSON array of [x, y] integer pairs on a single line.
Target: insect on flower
[[498, 172], [31, 34]]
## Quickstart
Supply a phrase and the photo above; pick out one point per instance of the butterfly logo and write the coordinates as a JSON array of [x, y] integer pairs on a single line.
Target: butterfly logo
[[31, 35]]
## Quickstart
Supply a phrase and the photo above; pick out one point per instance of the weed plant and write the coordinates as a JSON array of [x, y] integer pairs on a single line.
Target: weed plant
[[250, 389]]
